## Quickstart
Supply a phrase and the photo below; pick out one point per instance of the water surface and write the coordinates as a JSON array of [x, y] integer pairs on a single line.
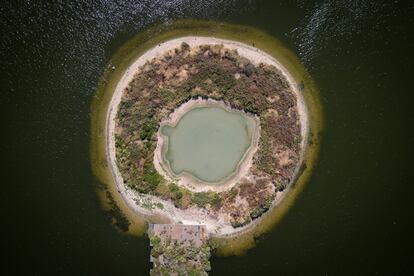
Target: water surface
[[208, 142], [355, 214]]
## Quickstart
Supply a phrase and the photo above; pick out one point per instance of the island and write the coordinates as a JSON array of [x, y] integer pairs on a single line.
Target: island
[[206, 131], [203, 134]]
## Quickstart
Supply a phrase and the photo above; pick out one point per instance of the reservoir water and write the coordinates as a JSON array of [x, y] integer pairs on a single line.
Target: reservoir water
[[354, 216], [208, 142]]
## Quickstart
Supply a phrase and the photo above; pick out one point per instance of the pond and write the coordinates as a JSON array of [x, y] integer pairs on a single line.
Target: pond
[[208, 142]]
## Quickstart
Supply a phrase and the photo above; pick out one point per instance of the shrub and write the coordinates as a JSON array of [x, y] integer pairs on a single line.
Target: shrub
[[150, 182], [201, 199], [148, 129], [185, 46], [232, 193], [173, 187], [154, 240], [216, 200], [178, 195], [279, 186], [249, 69], [257, 212]]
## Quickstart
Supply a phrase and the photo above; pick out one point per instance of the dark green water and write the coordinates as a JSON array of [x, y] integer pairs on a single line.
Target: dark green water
[[355, 214]]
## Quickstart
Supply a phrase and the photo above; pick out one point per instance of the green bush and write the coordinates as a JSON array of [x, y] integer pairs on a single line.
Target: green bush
[[201, 199], [257, 212], [216, 200], [173, 187], [232, 193], [178, 195], [185, 46], [154, 240], [150, 182], [249, 69], [279, 186], [149, 127]]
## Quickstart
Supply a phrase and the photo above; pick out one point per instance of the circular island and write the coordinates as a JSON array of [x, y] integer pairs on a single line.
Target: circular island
[[206, 131]]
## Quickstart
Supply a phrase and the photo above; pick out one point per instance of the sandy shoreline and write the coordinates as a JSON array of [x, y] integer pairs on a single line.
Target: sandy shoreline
[[214, 224]]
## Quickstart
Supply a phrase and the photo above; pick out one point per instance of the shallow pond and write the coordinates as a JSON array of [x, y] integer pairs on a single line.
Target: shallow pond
[[208, 142]]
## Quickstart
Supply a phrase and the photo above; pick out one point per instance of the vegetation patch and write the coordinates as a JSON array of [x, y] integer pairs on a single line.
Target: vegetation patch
[[172, 257]]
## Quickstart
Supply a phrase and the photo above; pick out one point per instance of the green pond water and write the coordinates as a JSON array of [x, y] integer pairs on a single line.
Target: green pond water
[[208, 142]]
